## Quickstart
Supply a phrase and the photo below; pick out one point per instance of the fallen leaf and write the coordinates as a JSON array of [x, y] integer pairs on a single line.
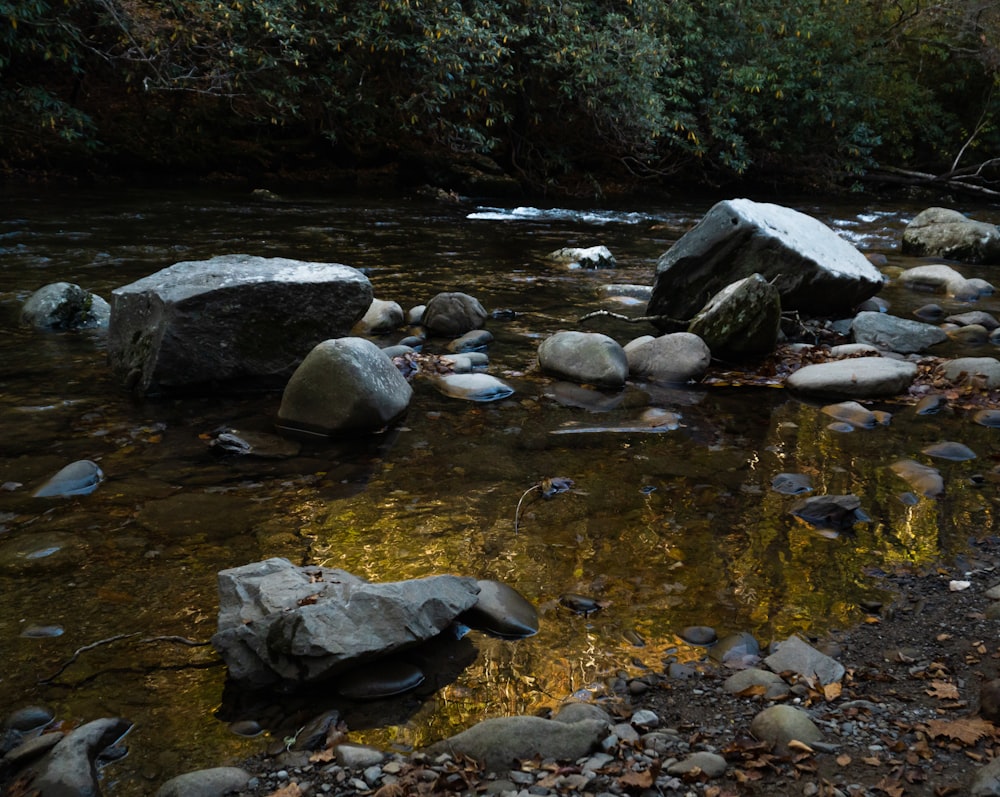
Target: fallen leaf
[[943, 690], [872, 761], [832, 691], [891, 787], [639, 780], [291, 790], [322, 756], [968, 730], [801, 747], [843, 760], [391, 790]]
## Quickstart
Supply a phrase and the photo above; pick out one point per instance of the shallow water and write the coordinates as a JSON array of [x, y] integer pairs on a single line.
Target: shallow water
[[668, 526]]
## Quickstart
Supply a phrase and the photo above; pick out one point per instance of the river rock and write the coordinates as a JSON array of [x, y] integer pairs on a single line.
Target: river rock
[[940, 278], [983, 372], [379, 679], [782, 724], [575, 710], [813, 268], [791, 483], [891, 333], [230, 319], [78, 478], [472, 387], [977, 317], [969, 335], [985, 780], [453, 314], [501, 742], [589, 257], [502, 611], [942, 232], [69, 769], [65, 306], [950, 450], [769, 684], [924, 479], [279, 622], [675, 358], [474, 341], [215, 782], [836, 512], [381, 316], [343, 386], [853, 413], [796, 655], [742, 319], [858, 377], [584, 357], [709, 765]]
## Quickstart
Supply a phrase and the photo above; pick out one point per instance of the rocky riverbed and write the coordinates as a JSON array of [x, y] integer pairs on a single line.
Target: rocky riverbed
[[911, 716]]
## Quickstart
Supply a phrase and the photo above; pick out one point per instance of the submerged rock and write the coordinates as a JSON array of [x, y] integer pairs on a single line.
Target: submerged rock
[[65, 306], [924, 479], [956, 452], [379, 679], [835, 512], [78, 478], [502, 611], [853, 413], [791, 483]]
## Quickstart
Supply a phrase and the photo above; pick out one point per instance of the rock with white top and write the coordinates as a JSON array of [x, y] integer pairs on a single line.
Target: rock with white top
[[588, 257], [233, 319], [814, 269]]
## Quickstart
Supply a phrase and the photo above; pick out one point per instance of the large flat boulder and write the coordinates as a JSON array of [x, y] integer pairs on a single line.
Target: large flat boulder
[[279, 623], [231, 319], [814, 269]]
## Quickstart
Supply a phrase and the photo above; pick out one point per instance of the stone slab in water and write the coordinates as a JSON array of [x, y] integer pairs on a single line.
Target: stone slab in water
[[229, 319], [860, 377]]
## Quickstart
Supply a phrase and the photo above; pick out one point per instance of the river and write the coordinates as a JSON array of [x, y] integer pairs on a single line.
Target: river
[[666, 529]]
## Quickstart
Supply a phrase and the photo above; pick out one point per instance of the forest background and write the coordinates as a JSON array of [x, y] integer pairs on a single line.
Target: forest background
[[563, 96]]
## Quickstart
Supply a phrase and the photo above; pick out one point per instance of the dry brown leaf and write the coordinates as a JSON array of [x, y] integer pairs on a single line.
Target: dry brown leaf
[[391, 790], [639, 780], [322, 756], [756, 690], [832, 691], [801, 747], [968, 730], [891, 787], [843, 760], [291, 790], [943, 690], [873, 761]]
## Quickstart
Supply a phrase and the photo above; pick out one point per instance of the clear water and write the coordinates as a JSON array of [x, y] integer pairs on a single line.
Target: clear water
[[666, 529]]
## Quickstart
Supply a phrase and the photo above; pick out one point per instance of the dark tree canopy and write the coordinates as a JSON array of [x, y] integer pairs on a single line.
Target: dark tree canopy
[[557, 93]]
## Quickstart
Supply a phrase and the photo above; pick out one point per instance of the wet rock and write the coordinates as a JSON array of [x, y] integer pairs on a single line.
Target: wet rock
[[474, 341], [942, 232], [925, 480], [381, 316], [676, 358], [782, 724], [736, 650], [233, 442], [358, 756], [853, 413], [279, 622], [379, 679], [246, 728], [453, 314], [974, 317], [472, 387], [344, 386], [216, 782], [78, 478], [861, 377], [797, 656], [791, 484], [835, 512], [502, 611], [229, 319], [698, 635], [769, 684], [891, 333], [930, 313], [813, 268], [570, 394], [589, 257], [711, 765], [499, 743], [584, 357], [70, 767], [956, 452], [981, 372], [970, 335], [580, 604], [931, 404], [942, 279], [42, 631], [990, 418], [742, 319], [45, 551], [29, 718], [65, 306], [466, 362]]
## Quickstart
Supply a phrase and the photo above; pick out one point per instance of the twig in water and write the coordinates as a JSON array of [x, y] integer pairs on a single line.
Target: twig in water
[[517, 512], [117, 638]]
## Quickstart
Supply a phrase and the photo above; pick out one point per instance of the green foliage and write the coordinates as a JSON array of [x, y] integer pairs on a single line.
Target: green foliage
[[679, 90]]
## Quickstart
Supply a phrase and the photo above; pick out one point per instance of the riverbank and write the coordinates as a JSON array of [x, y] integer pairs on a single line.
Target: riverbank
[[906, 719]]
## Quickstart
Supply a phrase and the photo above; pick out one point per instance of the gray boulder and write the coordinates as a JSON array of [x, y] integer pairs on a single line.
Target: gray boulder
[[891, 333], [589, 257], [675, 358], [65, 306], [472, 387], [215, 782], [796, 655], [381, 316], [282, 623], [944, 279], [501, 742], [782, 724], [344, 386], [453, 314], [69, 769], [742, 319], [78, 478], [229, 319], [981, 371], [813, 268], [584, 357], [859, 377], [941, 232]]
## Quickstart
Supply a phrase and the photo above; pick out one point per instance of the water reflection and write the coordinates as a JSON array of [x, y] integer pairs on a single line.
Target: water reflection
[[664, 529]]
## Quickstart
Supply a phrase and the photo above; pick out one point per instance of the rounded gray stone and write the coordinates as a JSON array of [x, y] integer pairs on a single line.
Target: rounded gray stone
[[584, 357], [782, 724], [861, 377], [674, 359], [216, 782]]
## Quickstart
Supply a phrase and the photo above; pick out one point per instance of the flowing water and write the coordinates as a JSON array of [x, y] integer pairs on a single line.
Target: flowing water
[[665, 528]]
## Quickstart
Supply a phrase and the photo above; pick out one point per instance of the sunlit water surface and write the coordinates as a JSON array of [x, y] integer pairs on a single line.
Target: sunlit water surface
[[666, 529]]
